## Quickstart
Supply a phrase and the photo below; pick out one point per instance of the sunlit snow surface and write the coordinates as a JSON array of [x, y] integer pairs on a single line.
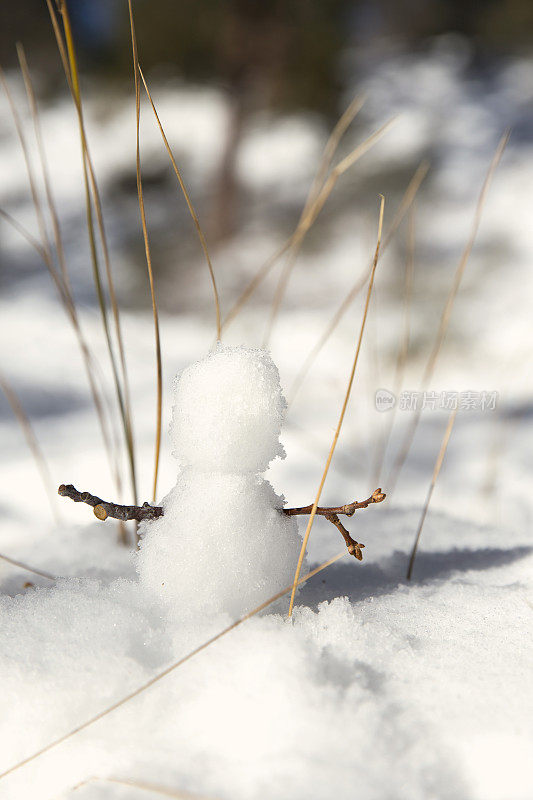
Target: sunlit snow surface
[[377, 689]]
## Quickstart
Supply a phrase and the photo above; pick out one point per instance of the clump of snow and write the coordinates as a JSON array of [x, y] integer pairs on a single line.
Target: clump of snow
[[228, 410], [223, 543]]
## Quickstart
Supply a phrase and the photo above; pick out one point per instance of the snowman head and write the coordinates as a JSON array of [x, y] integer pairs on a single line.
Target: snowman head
[[227, 413]]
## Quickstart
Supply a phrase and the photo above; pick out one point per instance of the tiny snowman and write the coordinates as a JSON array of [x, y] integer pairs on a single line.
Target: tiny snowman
[[223, 544]]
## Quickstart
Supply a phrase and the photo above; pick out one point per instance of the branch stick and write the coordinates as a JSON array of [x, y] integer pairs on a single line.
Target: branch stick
[[331, 514], [348, 509], [103, 509]]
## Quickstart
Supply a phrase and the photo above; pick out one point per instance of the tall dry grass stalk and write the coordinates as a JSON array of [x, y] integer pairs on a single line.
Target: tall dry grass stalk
[[44, 250], [61, 278], [34, 110], [93, 205], [192, 212], [436, 472], [310, 214], [138, 77], [159, 365], [33, 444], [319, 192], [312, 515], [446, 315], [405, 204], [87, 357], [325, 161], [403, 350]]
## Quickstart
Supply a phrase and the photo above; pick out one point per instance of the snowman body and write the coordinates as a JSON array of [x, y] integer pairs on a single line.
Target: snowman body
[[223, 544]]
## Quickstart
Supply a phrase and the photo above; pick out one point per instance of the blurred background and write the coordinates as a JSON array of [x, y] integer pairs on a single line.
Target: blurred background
[[248, 92]]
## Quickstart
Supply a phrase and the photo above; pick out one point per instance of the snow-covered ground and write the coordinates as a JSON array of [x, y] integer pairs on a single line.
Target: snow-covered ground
[[377, 688]]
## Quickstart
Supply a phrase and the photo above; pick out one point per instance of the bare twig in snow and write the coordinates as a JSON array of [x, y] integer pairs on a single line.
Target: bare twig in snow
[[103, 509], [332, 515], [349, 509]]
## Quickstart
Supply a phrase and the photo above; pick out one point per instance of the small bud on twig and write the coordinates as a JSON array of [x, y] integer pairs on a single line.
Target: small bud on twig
[[102, 509]]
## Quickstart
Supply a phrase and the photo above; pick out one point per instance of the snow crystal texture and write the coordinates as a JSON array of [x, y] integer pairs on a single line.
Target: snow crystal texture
[[228, 410]]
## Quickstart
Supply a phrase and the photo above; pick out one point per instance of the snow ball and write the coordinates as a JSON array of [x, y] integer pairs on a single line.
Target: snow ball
[[228, 410], [223, 545]]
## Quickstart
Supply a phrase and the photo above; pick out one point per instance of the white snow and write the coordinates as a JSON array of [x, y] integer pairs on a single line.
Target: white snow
[[403, 692], [227, 412]]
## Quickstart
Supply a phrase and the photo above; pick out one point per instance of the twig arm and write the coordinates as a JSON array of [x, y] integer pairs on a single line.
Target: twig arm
[[102, 509], [332, 515], [349, 509], [354, 548]]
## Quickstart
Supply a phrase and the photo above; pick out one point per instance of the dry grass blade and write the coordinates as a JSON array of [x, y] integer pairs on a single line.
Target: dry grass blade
[[88, 361], [22, 565], [44, 165], [342, 414], [446, 314], [172, 667], [68, 56], [122, 390], [33, 444], [318, 181], [308, 361], [330, 149], [310, 215], [256, 281], [159, 366], [24, 233], [180, 794], [405, 204], [403, 350], [190, 206], [29, 168], [436, 471], [63, 285]]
